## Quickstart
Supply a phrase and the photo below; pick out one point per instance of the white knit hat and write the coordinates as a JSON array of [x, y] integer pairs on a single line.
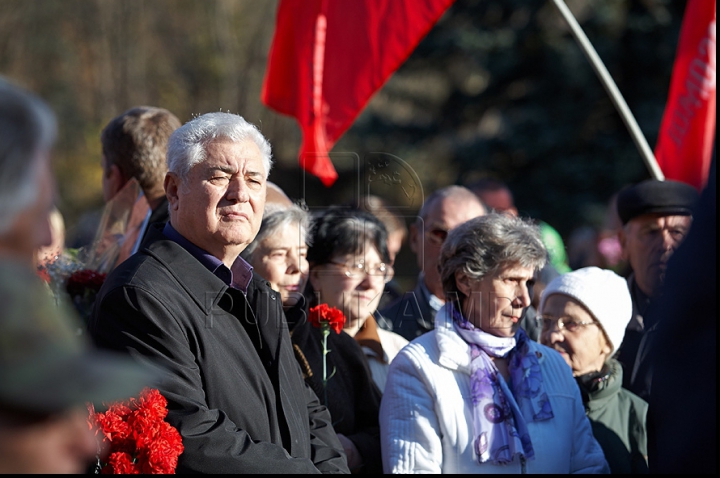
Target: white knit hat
[[605, 295]]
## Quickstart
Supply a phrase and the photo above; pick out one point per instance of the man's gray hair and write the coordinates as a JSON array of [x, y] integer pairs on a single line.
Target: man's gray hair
[[483, 245], [27, 128], [275, 220], [188, 144], [460, 193]]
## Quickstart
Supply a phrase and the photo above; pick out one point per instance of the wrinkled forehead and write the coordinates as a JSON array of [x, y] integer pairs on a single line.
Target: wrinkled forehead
[[223, 149], [661, 220]]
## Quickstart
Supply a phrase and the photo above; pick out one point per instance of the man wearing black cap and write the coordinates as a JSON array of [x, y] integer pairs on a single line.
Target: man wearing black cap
[[656, 217]]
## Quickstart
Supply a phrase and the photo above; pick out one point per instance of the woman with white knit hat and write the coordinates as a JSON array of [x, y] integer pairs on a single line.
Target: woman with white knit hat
[[583, 315]]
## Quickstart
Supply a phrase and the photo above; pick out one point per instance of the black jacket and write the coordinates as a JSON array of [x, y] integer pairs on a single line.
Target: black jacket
[[235, 391], [352, 396]]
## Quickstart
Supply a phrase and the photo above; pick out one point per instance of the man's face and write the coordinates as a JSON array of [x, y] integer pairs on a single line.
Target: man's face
[[219, 206], [444, 216], [647, 243]]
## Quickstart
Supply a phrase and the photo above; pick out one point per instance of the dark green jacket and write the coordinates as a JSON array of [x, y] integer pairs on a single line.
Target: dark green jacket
[[618, 419]]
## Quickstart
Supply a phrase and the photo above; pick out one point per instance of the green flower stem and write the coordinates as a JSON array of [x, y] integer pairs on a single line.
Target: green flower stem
[[325, 329]]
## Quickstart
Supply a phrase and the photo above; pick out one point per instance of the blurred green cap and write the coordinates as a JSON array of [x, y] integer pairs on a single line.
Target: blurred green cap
[[45, 365]]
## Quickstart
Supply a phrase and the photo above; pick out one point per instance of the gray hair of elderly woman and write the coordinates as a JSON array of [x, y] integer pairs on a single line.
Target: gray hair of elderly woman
[[27, 128], [187, 145], [275, 220], [484, 245]]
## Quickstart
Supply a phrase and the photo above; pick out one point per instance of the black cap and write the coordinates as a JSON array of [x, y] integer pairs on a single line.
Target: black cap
[[669, 198]]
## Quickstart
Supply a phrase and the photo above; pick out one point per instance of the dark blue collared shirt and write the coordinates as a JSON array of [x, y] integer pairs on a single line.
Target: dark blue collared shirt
[[240, 275]]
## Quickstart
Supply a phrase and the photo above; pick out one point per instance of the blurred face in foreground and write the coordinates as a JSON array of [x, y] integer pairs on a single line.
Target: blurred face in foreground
[[219, 206], [496, 302], [570, 328], [60, 443], [30, 231], [353, 283], [281, 258]]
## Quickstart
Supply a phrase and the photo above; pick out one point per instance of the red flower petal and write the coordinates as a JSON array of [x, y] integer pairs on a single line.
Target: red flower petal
[[330, 315]]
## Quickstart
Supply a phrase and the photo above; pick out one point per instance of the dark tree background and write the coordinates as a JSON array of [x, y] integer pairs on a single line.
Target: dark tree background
[[498, 88]]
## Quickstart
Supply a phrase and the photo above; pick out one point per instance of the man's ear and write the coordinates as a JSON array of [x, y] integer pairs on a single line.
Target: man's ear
[[172, 185], [462, 281], [115, 180], [622, 237]]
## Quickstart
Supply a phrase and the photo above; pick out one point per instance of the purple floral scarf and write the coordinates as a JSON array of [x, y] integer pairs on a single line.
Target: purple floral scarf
[[499, 425]]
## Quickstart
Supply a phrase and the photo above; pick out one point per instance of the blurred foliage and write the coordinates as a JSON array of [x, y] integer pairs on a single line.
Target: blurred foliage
[[498, 88]]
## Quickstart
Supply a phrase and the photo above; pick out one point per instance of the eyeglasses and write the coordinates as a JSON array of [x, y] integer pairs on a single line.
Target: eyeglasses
[[437, 235], [564, 323], [360, 269]]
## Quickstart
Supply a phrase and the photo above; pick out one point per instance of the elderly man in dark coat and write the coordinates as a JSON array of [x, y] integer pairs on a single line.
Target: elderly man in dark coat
[[656, 217], [190, 303]]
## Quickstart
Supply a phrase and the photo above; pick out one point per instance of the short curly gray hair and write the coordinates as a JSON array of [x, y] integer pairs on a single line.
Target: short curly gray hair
[[484, 245], [187, 145]]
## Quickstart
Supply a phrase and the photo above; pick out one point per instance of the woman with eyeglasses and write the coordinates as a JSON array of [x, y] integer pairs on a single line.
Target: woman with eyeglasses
[[583, 315], [349, 266], [476, 395]]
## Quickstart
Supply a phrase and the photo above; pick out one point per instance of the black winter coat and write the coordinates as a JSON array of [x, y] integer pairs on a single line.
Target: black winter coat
[[235, 391]]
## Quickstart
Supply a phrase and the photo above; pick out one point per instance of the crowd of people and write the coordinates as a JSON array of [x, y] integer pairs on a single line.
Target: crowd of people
[[501, 359]]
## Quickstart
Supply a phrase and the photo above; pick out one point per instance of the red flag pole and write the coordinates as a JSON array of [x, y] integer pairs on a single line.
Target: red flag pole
[[612, 90]]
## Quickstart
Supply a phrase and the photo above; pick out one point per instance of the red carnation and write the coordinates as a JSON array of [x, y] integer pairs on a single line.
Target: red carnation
[[330, 315], [139, 438], [326, 318]]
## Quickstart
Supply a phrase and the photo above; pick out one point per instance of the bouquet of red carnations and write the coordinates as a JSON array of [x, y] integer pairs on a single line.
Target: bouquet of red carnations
[[136, 437], [71, 281]]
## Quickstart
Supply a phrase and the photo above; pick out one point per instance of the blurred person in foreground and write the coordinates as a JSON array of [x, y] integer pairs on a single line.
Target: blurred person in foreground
[[47, 372], [414, 313], [28, 129], [476, 395], [190, 302], [682, 413], [583, 315], [134, 145], [656, 216]]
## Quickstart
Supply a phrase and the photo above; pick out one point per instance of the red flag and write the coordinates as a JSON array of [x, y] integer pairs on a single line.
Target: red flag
[[687, 131], [328, 58]]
